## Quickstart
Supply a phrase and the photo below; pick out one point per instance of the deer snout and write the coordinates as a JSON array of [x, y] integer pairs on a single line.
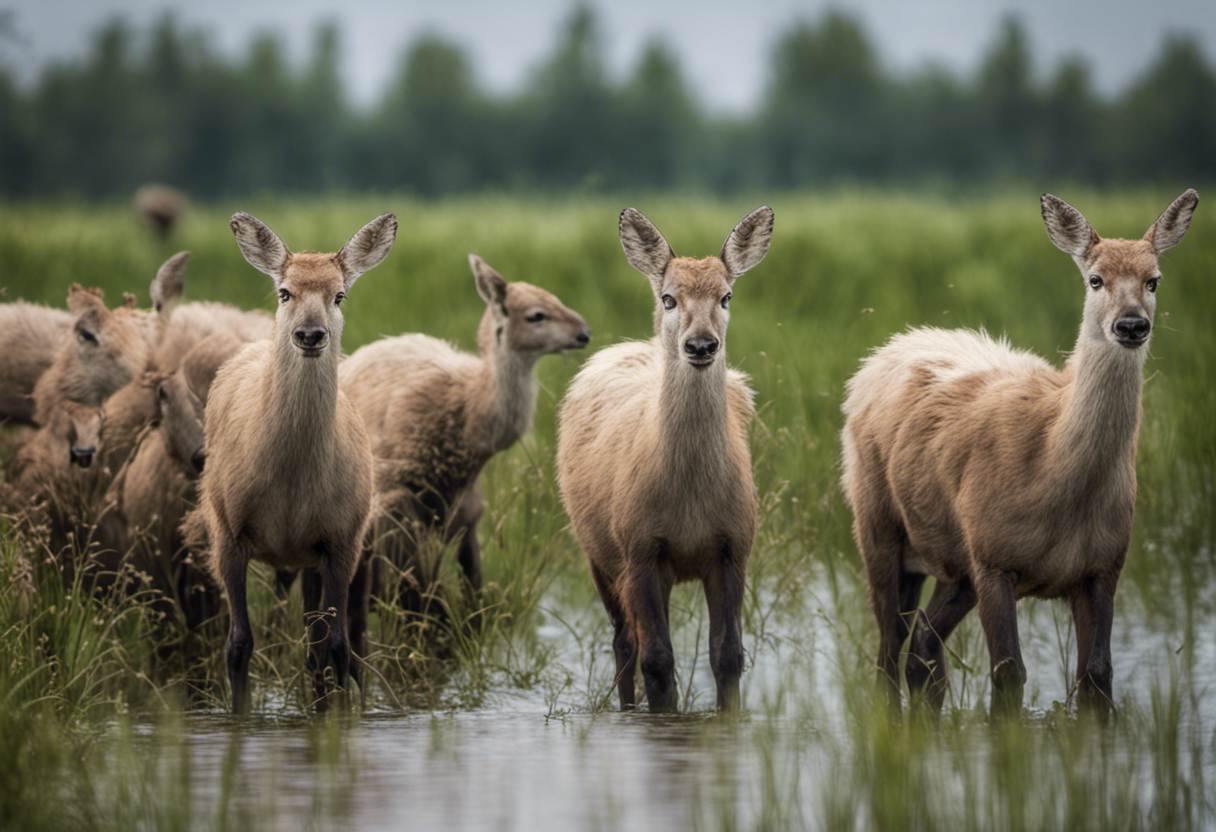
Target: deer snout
[[82, 456], [583, 338], [311, 338], [198, 460], [1132, 330], [701, 349]]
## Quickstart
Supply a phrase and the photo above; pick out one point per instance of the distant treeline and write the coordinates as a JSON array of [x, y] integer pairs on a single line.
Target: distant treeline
[[165, 105]]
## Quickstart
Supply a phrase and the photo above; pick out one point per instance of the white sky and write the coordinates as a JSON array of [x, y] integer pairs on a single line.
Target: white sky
[[723, 46]]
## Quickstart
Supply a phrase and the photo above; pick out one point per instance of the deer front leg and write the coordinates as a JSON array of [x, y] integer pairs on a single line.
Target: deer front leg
[[724, 587], [233, 566], [1093, 612], [647, 588], [997, 601], [358, 600]]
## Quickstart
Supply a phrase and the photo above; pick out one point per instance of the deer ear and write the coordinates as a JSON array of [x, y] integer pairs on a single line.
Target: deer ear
[[370, 245], [490, 284], [1067, 227], [644, 246], [1170, 227], [261, 247], [748, 241], [167, 285], [82, 299]]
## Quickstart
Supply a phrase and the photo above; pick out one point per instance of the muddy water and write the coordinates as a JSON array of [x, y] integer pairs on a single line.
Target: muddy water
[[528, 760]]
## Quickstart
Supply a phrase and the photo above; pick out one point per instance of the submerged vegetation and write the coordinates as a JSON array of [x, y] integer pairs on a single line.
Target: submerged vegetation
[[514, 705]]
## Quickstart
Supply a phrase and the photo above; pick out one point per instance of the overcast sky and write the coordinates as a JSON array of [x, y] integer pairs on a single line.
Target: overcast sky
[[723, 46]]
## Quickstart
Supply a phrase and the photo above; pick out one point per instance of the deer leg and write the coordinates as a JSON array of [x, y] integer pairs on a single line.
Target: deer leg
[[1093, 611], [890, 590], [724, 586], [469, 555], [283, 579], [927, 671], [996, 598], [336, 575], [233, 567], [647, 589], [623, 648], [314, 625], [360, 587]]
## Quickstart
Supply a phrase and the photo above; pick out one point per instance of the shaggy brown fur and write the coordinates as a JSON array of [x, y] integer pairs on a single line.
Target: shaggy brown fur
[[30, 335], [436, 415], [654, 465], [1001, 476], [289, 473]]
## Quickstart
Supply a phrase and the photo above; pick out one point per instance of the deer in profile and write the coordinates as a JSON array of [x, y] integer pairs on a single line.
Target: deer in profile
[[654, 466], [437, 415], [1002, 476], [289, 478]]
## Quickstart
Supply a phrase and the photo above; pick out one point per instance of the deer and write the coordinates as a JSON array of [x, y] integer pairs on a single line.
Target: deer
[[161, 207], [436, 416], [30, 335], [654, 466], [289, 475], [1003, 477]]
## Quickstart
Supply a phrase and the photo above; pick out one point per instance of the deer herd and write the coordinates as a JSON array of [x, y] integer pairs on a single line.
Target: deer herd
[[162, 450]]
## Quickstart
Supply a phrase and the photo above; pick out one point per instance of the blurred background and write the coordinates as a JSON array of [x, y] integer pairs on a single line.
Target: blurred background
[[232, 98]]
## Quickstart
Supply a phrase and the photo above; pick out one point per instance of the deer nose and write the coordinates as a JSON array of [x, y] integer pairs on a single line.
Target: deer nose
[[1132, 330], [311, 338], [583, 338], [198, 460], [82, 457], [701, 346]]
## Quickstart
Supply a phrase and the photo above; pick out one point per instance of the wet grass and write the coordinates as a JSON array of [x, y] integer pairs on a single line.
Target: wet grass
[[98, 732]]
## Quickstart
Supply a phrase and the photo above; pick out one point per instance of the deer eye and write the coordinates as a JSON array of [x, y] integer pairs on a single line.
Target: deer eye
[[284, 296], [535, 317], [1095, 282], [338, 298], [726, 300], [669, 302], [86, 336], [1151, 284]]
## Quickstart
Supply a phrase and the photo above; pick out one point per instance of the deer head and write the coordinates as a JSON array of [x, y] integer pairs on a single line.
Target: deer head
[[693, 296], [1121, 276], [526, 318], [311, 285]]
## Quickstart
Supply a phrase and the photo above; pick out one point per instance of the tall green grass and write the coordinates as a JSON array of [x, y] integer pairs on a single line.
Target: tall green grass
[[846, 271]]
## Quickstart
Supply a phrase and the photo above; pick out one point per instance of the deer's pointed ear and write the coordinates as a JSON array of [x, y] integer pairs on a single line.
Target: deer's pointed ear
[[748, 241], [370, 245], [167, 285], [1171, 226], [644, 246], [490, 284], [1067, 227], [261, 247], [82, 299]]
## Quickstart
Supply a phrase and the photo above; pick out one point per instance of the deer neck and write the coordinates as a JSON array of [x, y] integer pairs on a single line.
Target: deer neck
[[504, 400], [692, 409], [1100, 419], [302, 400]]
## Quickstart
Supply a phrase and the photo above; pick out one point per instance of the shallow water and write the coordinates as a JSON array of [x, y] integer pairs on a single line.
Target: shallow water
[[527, 760]]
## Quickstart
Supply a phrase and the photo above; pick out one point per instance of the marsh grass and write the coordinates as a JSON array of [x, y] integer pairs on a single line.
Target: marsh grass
[[101, 731]]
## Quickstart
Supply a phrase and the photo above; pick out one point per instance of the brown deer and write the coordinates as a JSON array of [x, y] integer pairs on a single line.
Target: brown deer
[[289, 473], [161, 207], [30, 335], [437, 415], [654, 465], [1004, 477]]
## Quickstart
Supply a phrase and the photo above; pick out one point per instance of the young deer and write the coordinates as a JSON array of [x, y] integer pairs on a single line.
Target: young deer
[[1003, 477], [654, 465], [436, 415], [288, 479], [30, 335]]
